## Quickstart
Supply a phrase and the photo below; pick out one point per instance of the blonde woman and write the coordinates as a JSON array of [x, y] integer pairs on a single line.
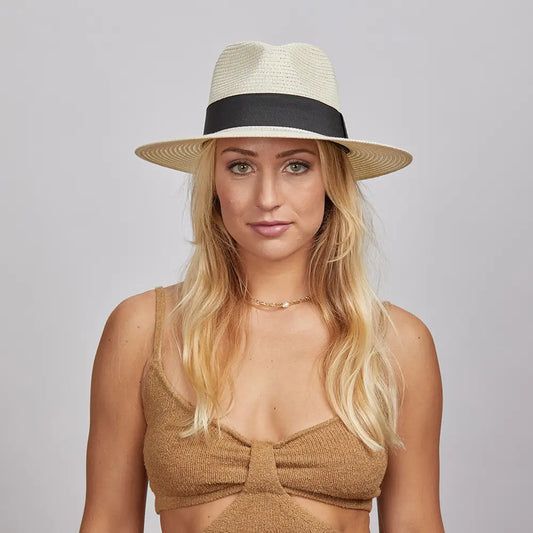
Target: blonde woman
[[271, 390]]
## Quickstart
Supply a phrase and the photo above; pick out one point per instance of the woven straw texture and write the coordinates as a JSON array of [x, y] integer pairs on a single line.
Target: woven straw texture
[[295, 68]]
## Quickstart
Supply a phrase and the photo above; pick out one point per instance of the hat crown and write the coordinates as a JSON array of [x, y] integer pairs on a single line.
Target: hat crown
[[254, 67]]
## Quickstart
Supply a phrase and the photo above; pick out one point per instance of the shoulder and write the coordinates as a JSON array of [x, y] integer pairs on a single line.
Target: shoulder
[[127, 344], [410, 329], [127, 339], [132, 321], [133, 317], [413, 347]]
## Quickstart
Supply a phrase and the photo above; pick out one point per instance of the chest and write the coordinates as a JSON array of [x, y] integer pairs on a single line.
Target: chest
[[278, 382]]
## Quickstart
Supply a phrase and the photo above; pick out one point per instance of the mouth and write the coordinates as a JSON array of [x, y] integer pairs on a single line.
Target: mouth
[[269, 223], [271, 228]]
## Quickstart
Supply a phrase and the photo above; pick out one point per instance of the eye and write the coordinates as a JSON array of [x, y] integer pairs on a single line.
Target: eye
[[297, 167], [240, 167]]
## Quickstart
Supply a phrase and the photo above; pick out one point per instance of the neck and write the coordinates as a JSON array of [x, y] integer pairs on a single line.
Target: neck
[[276, 281]]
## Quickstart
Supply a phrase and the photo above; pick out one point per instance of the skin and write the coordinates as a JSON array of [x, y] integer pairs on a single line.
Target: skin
[[278, 389], [271, 186]]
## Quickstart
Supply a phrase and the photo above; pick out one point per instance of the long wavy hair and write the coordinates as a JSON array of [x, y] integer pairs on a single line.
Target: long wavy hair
[[211, 312]]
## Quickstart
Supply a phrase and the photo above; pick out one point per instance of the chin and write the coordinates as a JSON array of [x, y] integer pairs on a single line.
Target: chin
[[272, 253]]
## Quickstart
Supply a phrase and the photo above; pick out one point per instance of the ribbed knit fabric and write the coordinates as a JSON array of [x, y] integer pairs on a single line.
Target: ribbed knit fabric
[[325, 462]]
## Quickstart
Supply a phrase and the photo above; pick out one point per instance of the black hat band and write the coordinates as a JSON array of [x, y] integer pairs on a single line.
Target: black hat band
[[274, 109]]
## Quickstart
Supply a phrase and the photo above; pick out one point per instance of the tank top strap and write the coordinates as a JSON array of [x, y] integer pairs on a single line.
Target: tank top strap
[[159, 316]]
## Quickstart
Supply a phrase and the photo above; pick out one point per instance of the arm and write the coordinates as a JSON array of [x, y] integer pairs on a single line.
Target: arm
[[116, 479], [409, 499]]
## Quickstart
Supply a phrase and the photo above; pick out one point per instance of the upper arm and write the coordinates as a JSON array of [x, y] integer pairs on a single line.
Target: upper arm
[[116, 478], [409, 499]]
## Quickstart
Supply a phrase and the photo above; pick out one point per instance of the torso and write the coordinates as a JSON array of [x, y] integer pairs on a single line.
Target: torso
[[278, 392]]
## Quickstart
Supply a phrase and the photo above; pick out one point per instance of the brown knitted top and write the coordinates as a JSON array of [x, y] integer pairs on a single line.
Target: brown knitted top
[[325, 462]]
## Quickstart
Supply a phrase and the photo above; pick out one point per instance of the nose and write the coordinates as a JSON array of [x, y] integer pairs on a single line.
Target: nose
[[267, 191]]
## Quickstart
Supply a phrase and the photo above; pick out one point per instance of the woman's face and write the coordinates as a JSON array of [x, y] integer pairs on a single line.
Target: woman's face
[[271, 194]]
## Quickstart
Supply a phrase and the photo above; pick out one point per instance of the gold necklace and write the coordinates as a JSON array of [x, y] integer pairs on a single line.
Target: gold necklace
[[283, 305]]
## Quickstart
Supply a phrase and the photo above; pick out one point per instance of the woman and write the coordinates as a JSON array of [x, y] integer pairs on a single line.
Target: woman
[[273, 391]]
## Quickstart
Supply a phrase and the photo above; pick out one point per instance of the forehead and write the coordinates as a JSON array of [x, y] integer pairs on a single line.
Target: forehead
[[266, 145]]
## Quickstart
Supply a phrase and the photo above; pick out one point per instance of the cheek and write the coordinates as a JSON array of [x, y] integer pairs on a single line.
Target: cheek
[[225, 197], [229, 205], [232, 211], [311, 205]]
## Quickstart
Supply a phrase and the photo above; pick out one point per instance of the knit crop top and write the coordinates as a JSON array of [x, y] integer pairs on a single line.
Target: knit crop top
[[325, 462]]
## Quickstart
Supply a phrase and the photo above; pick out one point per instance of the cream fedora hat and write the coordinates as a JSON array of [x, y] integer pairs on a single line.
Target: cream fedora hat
[[289, 91]]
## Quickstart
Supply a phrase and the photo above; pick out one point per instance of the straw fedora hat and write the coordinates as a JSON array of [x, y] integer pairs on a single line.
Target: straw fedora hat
[[289, 91]]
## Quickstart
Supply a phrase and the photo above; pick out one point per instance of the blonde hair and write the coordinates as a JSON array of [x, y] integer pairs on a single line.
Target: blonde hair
[[211, 313]]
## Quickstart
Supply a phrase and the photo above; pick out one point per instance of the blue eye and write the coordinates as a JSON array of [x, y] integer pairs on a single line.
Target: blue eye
[[297, 167], [240, 167]]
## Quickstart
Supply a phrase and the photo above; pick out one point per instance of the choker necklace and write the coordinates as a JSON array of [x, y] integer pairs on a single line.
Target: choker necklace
[[283, 305]]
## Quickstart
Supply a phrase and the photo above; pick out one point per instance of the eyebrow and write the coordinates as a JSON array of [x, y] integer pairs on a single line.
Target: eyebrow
[[279, 156]]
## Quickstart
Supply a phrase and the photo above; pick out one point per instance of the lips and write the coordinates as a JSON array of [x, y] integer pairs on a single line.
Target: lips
[[271, 228]]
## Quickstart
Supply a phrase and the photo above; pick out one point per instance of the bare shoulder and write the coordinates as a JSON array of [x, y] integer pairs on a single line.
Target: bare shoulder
[[133, 319], [128, 333], [412, 345], [130, 328]]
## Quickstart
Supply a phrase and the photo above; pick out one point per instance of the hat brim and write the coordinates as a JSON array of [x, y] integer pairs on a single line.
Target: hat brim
[[368, 159]]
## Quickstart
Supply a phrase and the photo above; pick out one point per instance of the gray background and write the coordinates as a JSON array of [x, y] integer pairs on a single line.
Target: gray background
[[86, 224]]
